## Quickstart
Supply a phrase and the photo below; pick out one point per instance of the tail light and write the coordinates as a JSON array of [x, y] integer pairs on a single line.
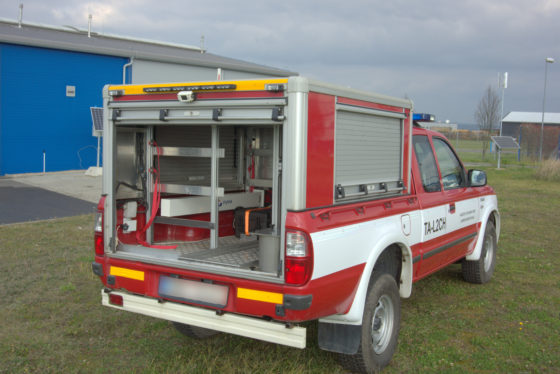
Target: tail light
[[298, 259], [99, 243], [98, 235]]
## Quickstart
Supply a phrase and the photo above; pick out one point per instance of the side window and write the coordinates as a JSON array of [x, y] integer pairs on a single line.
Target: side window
[[452, 173], [426, 163]]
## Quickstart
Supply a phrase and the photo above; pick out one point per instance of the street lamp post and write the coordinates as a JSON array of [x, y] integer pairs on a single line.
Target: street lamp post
[[548, 60], [503, 84]]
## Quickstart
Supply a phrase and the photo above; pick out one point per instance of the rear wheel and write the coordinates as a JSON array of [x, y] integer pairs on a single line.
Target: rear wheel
[[481, 270], [194, 331], [380, 328]]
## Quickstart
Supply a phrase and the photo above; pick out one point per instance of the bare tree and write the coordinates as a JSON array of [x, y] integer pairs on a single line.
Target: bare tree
[[487, 115]]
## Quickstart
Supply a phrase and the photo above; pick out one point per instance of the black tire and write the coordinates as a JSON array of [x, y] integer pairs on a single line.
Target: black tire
[[380, 328], [194, 331], [481, 270]]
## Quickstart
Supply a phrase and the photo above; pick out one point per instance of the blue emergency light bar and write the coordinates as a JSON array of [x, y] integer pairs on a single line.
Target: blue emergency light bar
[[423, 117]]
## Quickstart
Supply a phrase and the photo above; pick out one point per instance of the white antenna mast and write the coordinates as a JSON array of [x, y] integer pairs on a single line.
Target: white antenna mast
[[89, 26], [20, 15]]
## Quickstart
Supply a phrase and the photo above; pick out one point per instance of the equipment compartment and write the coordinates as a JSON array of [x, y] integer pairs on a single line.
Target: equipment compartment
[[198, 177]]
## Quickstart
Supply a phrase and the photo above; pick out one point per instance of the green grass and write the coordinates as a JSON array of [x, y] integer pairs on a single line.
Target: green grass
[[470, 152], [52, 320], [464, 144]]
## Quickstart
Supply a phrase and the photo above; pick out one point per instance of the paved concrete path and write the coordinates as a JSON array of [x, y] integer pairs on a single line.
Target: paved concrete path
[[73, 183], [20, 202]]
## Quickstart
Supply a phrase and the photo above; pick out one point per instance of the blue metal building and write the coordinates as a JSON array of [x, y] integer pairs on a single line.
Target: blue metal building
[[50, 77], [45, 100]]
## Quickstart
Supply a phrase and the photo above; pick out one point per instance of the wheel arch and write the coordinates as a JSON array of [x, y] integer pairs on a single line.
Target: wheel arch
[[389, 244], [491, 213]]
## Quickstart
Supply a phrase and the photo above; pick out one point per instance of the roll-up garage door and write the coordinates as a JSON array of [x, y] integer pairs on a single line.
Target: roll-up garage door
[[368, 151]]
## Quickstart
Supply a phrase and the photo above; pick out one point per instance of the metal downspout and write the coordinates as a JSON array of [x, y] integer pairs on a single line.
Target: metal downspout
[[124, 69]]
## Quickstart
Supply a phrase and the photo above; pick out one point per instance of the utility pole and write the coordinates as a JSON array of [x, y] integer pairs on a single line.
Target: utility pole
[[548, 60]]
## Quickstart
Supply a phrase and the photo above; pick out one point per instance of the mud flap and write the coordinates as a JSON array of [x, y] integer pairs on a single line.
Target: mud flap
[[339, 338]]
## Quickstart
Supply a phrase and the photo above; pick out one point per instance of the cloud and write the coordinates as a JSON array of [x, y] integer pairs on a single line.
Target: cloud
[[78, 15], [442, 54]]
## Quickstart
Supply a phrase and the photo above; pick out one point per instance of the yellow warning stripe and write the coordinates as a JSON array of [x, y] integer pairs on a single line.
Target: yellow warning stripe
[[267, 297], [127, 273], [241, 85]]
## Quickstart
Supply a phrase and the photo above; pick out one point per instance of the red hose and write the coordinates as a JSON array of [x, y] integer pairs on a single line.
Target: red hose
[[156, 198]]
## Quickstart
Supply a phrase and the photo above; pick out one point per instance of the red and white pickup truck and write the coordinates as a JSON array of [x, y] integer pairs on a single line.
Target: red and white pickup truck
[[250, 206]]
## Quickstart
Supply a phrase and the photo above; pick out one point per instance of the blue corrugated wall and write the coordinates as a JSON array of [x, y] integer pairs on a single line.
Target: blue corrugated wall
[[35, 113]]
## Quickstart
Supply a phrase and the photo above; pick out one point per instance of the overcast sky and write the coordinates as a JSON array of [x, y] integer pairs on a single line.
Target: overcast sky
[[440, 53]]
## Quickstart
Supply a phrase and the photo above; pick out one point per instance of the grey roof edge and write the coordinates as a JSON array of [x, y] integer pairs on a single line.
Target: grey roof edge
[[143, 40], [77, 30], [532, 117], [73, 39]]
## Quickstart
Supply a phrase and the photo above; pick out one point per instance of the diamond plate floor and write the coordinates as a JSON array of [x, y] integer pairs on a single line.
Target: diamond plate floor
[[232, 251]]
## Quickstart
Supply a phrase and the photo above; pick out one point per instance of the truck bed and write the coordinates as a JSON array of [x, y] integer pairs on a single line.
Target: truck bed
[[234, 256]]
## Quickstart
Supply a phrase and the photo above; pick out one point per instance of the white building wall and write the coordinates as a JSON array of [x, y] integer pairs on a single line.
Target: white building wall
[[144, 71]]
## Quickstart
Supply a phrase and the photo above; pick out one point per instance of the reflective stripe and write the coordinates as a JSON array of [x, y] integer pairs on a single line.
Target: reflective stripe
[[127, 273], [267, 297]]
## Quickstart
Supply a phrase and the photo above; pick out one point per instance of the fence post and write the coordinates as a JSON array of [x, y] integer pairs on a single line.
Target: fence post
[[519, 149]]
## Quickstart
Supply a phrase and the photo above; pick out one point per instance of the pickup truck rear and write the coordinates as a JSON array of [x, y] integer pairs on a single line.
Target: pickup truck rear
[[250, 206]]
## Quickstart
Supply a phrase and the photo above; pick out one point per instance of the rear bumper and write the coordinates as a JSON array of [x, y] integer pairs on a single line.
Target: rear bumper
[[273, 332], [319, 298]]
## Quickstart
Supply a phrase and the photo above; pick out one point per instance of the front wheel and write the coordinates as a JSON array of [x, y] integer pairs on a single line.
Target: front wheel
[[481, 270], [380, 328]]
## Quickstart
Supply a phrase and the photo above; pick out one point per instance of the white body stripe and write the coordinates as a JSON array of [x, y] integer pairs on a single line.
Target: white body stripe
[[347, 246], [466, 214]]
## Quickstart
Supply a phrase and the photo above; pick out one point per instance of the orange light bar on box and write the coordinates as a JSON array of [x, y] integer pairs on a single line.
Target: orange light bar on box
[[211, 86]]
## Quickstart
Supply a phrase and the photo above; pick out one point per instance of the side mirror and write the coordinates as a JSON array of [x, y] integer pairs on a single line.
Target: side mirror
[[477, 178]]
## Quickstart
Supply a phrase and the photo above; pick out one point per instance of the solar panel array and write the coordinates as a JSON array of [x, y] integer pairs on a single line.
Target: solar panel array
[[505, 142], [97, 118]]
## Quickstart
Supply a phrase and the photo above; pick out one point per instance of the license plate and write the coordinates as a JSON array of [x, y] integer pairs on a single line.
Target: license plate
[[193, 292]]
